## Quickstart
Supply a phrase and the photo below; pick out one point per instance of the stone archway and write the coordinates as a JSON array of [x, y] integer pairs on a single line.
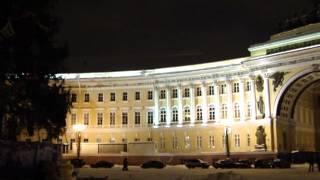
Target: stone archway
[[297, 121]]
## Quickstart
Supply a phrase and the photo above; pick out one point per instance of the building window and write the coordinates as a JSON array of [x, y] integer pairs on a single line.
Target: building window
[[237, 140], [174, 142], [211, 142], [137, 118], [249, 109], [112, 118], [73, 97], [199, 113], [98, 140], [174, 93], [162, 94], [149, 139], [112, 96], [86, 97], [150, 95], [248, 86], [175, 115], [199, 142], [100, 97], [186, 92], [137, 96], [162, 143], [124, 96], [187, 143], [85, 140], [223, 89], [235, 87], [99, 118], [124, 118], [150, 117], [86, 119], [163, 115], [212, 113], [211, 90], [73, 118], [224, 111], [248, 140], [198, 91], [236, 110], [187, 114]]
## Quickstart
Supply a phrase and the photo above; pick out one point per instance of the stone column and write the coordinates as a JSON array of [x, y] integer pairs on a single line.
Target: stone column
[[204, 103], [169, 111], [253, 102], [156, 106], [180, 107], [266, 95], [217, 100], [230, 105], [242, 99], [192, 105]]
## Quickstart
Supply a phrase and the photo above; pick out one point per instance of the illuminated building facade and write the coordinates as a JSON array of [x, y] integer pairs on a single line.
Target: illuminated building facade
[[268, 102]]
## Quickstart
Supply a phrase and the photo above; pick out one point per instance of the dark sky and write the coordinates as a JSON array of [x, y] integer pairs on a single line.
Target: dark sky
[[110, 35]]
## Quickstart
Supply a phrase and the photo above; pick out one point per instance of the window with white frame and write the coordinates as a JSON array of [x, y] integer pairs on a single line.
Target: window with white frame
[[212, 113], [248, 140], [224, 111], [199, 142], [237, 140], [186, 92], [73, 118], [249, 109], [174, 93], [236, 110], [235, 87], [112, 118], [86, 97], [112, 96], [223, 89], [124, 118], [162, 143], [187, 143], [211, 90], [99, 118], [174, 115], [162, 94], [199, 113], [163, 115], [150, 117], [187, 114], [73, 97], [124, 96], [211, 142], [137, 96], [150, 95], [198, 90], [248, 86], [174, 142], [100, 97], [137, 118], [86, 118]]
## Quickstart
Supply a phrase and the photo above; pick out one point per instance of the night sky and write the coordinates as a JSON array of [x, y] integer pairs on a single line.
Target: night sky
[[113, 35]]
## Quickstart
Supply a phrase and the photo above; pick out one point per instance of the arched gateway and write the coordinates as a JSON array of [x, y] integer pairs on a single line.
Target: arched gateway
[[253, 106]]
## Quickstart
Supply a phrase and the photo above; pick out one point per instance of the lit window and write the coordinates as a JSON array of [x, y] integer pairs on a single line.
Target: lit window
[[100, 97], [187, 143], [199, 113], [248, 86], [124, 118], [211, 113], [162, 94], [112, 118], [237, 140], [187, 114], [150, 95], [199, 142], [86, 119], [73, 118], [150, 117], [223, 89], [162, 143], [86, 97], [137, 96], [174, 93], [224, 111], [125, 96], [236, 110], [73, 97], [186, 92], [174, 115], [174, 142], [211, 90], [163, 115], [211, 141], [137, 118], [99, 119], [235, 87], [198, 91], [112, 96]]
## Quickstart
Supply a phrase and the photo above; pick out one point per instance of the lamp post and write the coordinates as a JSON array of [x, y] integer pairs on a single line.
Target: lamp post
[[78, 128]]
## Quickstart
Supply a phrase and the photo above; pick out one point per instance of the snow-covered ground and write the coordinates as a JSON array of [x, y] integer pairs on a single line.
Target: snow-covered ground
[[180, 172]]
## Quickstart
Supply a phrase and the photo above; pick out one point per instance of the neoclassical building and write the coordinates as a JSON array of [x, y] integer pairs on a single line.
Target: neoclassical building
[[268, 102]]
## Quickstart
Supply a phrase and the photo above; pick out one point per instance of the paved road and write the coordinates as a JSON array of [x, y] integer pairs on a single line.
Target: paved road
[[297, 172]]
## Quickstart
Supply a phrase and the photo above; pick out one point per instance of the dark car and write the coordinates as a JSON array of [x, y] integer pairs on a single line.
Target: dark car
[[280, 163], [224, 163], [193, 163], [102, 164], [77, 163], [242, 163], [263, 163], [153, 164]]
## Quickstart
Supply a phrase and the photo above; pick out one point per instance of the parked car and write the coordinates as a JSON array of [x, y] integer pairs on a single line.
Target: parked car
[[280, 163], [224, 163], [77, 163], [153, 164], [242, 163], [263, 163], [192, 163], [102, 164]]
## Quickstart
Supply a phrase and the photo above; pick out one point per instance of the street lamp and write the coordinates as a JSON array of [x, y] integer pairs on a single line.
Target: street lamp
[[78, 128]]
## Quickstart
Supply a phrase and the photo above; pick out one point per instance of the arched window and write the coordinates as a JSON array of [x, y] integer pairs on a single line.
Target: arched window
[[174, 115], [236, 110], [187, 114], [199, 113], [163, 115], [212, 113]]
